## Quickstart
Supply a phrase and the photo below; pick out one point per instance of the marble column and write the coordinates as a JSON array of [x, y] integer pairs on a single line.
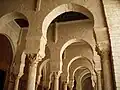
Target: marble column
[[101, 36], [32, 72], [56, 80], [107, 72], [64, 85], [99, 80], [106, 66]]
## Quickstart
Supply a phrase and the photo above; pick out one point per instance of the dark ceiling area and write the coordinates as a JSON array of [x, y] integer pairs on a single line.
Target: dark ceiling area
[[22, 22], [70, 16]]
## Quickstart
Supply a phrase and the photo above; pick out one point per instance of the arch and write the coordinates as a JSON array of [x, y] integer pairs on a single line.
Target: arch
[[6, 57], [83, 64], [78, 68], [60, 10], [85, 76], [11, 42], [42, 65], [71, 42], [81, 74], [76, 58], [5, 19]]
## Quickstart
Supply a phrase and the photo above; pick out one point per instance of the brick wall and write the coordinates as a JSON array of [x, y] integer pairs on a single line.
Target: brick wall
[[112, 13]]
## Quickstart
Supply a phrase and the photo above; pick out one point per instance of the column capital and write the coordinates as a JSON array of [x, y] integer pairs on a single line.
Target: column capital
[[103, 48], [32, 59], [56, 74]]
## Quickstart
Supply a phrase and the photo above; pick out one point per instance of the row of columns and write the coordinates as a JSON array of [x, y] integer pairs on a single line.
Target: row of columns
[[106, 71], [107, 80]]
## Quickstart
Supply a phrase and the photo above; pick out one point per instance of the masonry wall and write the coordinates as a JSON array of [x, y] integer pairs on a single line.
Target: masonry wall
[[112, 13]]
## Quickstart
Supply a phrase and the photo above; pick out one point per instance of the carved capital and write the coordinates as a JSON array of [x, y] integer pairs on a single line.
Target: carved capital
[[103, 49], [32, 59], [98, 72], [56, 74]]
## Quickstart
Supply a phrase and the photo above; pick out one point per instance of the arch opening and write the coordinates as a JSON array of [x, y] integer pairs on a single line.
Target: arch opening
[[6, 57], [73, 41], [63, 9], [22, 23]]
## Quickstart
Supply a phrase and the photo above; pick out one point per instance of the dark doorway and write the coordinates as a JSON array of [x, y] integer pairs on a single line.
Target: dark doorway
[[2, 79]]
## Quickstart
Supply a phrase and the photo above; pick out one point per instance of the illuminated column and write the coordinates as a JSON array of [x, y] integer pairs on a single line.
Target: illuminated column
[[104, 52], [107, 73], [32, 72], [103, 49], [56, 80]]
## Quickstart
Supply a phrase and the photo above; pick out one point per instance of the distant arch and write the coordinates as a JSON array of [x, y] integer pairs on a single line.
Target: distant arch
[[71, 42]]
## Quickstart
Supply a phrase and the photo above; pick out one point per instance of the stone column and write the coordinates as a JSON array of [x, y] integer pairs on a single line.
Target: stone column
[[56, 80], [32, 72], [107, 73], [104, 53], [101, 36], [19, 71], [71, 84], [64, 85], [99, 80]]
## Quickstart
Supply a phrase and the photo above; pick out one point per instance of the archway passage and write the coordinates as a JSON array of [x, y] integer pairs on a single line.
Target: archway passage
[[87, 84], [6, 56]]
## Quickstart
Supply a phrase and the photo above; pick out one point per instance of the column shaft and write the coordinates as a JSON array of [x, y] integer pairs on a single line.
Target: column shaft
[[65, 85], [107, 73], [32, 77], [56, 80], [56, 84], [99, 82]]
